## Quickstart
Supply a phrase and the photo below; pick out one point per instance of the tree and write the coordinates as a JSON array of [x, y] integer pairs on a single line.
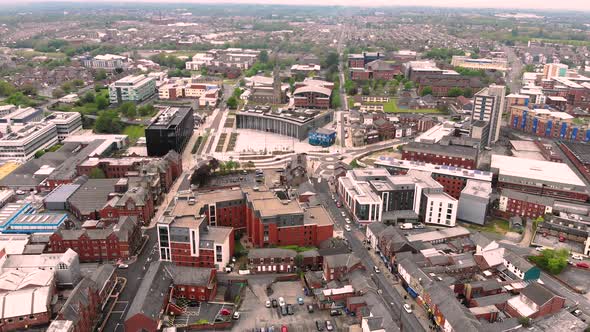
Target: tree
[[455, 92], [6, 89], [102, 102], [100, 75], [524, 321], [108, 122], [237, 92], [530, 68], [468, 92], [58, 93], [427, 90], [553, 261], [88, 97], [232, 103], [299, 260], [39, 154], [96, 173], [28, 89], [146, 110], [332, 59], [128, 109], [118, 70], [366, 90], [263, 56], [408, 85], [18, 99]]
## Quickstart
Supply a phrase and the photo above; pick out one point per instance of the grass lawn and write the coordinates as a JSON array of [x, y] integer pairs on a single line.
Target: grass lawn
[[298, 249], [134, 132], [495, 226]]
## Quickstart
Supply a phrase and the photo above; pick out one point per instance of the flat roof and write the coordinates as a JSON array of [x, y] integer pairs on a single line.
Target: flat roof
[[317, 215], [439, 234], [385, 161], [534, 169], [270, 207]]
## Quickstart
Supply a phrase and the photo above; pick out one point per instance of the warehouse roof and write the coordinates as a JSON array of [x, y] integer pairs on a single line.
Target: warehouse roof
[[535, 169]]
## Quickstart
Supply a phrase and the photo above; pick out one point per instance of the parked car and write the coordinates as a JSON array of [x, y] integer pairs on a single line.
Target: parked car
[[290, 309], [338, 204], [347, 228], [376, 269], [540, 249], [267, 304], [419, 226], [319, 325], [583, 265], [347, 220], [335, 312], [284, 310], [284, 328], [225, 312], [342, 213], [300, 300], [281, 301], [578, 257], [274, 303], [329, 326], [408, 308], [123, 266], [310, 308], [577, 312], [236, 315]]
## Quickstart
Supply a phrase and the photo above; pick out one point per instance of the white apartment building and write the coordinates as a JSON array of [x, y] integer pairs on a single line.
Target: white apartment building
[[488, 106], [106, 62], [67, 123], [22, 143], [440, 209], [132, 88], [199, 61]]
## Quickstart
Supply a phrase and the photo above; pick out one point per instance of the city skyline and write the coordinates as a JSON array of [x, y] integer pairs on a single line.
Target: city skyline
[[575, 5]]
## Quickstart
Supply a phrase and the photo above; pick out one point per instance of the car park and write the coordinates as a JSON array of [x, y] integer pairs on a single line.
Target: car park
[[408, 308]]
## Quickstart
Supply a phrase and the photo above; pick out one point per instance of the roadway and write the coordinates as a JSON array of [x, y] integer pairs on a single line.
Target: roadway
[[392, 300], [513, 79]]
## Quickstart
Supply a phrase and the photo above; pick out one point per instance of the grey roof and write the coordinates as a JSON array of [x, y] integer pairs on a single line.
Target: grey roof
[[67, 170], [125, 227], [79, 298], [193, 276], [480, 239], [535, 199], [310, 253], [457, 315], [92, 195], [374, 323], [24, 175], [538, 293], [493, 299], [61, 193], [377, 227], [447, 150], [342, 260], [151, 293], [518, 261], [271, 253], [102, 275]]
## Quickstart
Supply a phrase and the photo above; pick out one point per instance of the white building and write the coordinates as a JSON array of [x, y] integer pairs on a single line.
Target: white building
[[22, 144], [7, 109], [132, 88], [440, 209], [488, 106], [106, 62], [67, 123], [199, 61], [66, 265]]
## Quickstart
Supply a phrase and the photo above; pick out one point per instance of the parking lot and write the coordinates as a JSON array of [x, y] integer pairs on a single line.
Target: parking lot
[[205, 312], [553, 242], [576, 277], [254, 314]]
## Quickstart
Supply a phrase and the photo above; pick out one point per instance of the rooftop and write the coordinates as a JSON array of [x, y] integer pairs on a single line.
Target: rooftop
[[543, 171], [448, 150], [299, 116], [385, 161], [441, 234], [170, 117]]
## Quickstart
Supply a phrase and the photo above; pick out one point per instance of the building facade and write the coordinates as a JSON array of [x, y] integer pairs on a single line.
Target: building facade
[[488, 105], [132, 88], [171, 130]]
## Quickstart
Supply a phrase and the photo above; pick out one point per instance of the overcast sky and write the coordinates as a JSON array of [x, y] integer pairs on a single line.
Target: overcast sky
[[582, 5]]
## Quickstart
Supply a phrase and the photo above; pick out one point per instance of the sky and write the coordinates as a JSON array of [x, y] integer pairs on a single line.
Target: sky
[[580, 5]]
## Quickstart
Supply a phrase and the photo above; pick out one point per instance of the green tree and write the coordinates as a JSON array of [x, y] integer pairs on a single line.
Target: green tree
[[100, 75], [467, 92], [455, 92], [58, 93], [427, 90], [366, 90], [102, 102], [108, 122], [6, 89], [39, 154], [263, 56], [88, 97], [28, 89], [232, 103], [146, 110], [553, 261], [524, 321], [530, 68], [67, 87], [128, 109], [96, 173], [237, 92], [18, 99], [332, 59], [408, 85]]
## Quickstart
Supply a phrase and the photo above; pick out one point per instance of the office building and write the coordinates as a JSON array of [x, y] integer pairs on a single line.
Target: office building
[[294, 123], [171, 130], [313, 93], [106, 62], [22, 116], [488, 105], [474, 201], [552, 70], [132, 88], [446, 155], [500, 64], [66, 123], [322, 137], [21, 144], [543, 178]]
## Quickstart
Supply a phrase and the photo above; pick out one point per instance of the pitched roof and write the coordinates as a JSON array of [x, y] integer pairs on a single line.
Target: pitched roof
[[92, 195], [538, 293], [271, 253], [193, 276], [79, 298], [151, 293], [342, 260]]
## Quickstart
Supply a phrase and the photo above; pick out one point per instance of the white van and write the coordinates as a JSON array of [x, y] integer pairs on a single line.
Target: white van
[[406, 226]]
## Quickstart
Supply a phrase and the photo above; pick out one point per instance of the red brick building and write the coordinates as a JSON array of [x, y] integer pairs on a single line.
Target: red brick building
[[314, 95], [449, 155], [225, 208], [82, 307], [119, 241], [515, 203], [535, 301], [337, 267], [272, 222], [193, 283], [442, 83]]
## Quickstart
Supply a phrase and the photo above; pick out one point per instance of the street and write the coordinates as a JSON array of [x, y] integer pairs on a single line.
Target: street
[[392, 300]]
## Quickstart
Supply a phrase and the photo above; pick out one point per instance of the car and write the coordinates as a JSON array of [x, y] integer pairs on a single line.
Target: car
[[577, 312], [290, 309], [228, 269], [583, 265], [333, 196], [578, 257], [540, 249], [20, 192], [329, 326], [319, 326], [274, 303], [342, 213], [419, 226], [284, 311], [376, 269], [335, 312], [338, 204], [267, 304], [225, 312], [122, 266], [236, 315], [281, 301], [408, 308], [193, 304], [347, 220], [300, 300], [284, 329], [310, 308], [347, 228]]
